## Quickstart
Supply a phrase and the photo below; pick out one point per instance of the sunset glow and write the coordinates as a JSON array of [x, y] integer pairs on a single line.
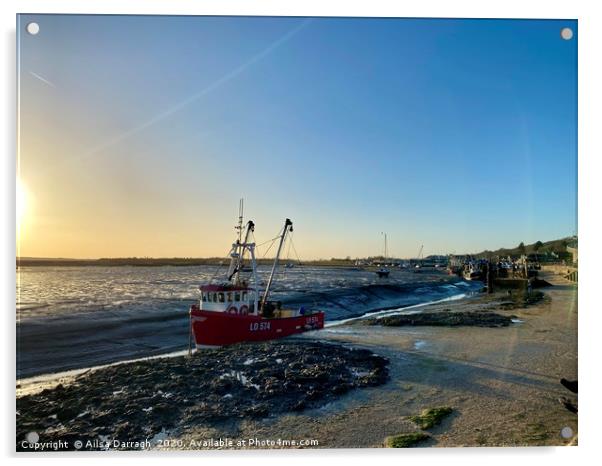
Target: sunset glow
[[22, 206]]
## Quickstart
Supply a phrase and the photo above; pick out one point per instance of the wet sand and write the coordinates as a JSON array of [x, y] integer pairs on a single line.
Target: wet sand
[[502, 383]]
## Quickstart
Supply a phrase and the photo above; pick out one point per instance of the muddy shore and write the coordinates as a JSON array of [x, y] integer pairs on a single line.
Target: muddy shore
[[499, 382], [444, 318], [139, 401]]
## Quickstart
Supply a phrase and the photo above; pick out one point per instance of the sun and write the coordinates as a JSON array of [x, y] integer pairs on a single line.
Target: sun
[[22, 207]]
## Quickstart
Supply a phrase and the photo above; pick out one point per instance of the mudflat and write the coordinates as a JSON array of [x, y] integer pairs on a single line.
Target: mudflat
[[502, 383], [480, 371]]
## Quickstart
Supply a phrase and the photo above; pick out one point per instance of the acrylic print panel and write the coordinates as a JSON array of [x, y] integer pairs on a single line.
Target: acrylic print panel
[[272, 232]]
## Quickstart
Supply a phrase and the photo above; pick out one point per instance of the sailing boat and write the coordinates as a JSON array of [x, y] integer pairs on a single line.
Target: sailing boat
[[383, 271], [419, 260], [236, 311]]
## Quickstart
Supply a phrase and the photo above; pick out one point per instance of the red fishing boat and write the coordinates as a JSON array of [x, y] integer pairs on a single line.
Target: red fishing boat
[[235, 310]]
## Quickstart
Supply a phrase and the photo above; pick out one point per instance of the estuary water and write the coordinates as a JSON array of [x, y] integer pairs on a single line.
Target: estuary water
[[70, 317]]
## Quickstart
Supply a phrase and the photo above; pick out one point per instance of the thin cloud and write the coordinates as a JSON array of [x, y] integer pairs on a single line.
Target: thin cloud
[[44, 80], [218, 83]]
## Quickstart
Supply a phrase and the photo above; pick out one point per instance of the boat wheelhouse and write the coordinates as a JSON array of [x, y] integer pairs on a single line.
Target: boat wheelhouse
[[236, 300]]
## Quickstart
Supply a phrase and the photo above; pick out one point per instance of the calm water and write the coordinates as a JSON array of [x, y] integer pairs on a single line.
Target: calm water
[[71, 317]]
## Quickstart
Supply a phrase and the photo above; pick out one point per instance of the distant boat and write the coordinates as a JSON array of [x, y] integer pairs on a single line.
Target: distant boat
[[383, 271], [418, 265], [472, 272]]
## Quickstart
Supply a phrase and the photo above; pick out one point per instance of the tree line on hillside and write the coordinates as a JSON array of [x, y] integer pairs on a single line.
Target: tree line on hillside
[[554, 250]]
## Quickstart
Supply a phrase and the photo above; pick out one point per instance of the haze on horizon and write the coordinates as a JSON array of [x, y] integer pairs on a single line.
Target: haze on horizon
[[139, 134]]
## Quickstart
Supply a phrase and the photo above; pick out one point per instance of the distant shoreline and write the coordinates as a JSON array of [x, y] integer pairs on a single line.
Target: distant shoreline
[[558, 248], [159, 262]]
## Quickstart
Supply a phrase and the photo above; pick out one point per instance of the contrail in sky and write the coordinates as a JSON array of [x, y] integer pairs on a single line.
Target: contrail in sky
[[184, 103], [44, 80]]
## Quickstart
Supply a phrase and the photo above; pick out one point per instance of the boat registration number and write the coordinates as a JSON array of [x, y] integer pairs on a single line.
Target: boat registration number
[[312, 320], [254, 326]]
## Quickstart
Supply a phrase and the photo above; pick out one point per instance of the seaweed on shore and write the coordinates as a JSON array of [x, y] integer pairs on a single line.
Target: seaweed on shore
[[520, 300], [136, 401], [405, 440], [443, 319], [431, 417]]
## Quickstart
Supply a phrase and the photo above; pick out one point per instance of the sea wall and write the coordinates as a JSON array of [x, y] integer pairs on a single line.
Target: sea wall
[[567, 271]]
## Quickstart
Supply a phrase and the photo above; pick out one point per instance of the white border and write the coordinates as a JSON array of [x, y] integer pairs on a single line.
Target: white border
[[590, 77], [432, 8]]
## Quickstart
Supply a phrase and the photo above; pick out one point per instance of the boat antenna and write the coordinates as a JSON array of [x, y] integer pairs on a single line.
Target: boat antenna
[[240, 219], [288, 226]]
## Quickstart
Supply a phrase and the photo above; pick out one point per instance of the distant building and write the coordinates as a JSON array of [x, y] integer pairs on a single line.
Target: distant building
[[572, 248], [573, 251]]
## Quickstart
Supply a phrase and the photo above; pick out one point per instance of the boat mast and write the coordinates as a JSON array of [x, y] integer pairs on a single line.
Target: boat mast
[[240, 217], [238, 249], [244, 246], [288, 226], [384, 264]]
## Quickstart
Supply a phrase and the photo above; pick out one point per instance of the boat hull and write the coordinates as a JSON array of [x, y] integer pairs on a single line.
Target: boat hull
[[211, 328]]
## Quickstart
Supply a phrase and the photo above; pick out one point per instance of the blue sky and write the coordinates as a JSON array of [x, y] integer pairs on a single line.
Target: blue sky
[[140, 134]]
